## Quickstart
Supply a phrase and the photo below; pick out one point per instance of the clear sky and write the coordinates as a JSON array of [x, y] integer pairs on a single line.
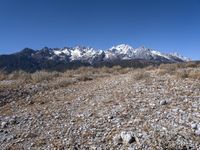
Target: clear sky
[[165, 25]]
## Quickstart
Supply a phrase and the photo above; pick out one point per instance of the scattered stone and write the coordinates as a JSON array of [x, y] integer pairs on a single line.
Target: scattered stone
[[31, 135], [110, 117], [28, 98], [163, 102], [194, 126], [127, 137], [4, 124], [92, 115], [197, 132], [117, 140], [13, 120]]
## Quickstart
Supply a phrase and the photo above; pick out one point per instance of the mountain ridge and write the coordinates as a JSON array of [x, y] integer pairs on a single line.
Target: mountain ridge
[[72, 57]]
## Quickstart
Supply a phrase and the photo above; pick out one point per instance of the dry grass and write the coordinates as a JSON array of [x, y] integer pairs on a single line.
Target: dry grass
[[151, 67], [13, 80], [43, 76], [16, 75], [3, 75], [39, 142], [140, 74], [195, 74], [167, 69], [191, 65], [81, 74], [89, 73], [180, 70], [182, 74], [64, 82], [84, 77], [189, 73], [115, 70]]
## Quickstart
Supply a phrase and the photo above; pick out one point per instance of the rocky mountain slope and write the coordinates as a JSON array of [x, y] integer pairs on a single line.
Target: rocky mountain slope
[[74, 57]]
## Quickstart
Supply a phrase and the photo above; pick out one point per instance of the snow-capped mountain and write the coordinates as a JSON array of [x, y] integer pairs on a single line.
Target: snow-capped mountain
[[119, 52], [124, 51], [80, 55]]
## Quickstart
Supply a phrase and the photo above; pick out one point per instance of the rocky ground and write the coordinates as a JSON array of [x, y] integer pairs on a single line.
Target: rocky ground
[[120, 112]]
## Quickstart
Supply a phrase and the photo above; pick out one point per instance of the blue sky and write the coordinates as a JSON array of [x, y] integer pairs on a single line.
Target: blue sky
[[165, 25]]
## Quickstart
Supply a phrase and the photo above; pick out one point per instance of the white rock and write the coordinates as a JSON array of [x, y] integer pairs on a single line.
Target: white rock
[[163, 102], [198, 126], [4, 124], [197, 132], [117, 140], [127, 137], [194, 126]]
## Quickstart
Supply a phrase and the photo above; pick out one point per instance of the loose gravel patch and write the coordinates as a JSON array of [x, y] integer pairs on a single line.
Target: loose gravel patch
[[114, 112]]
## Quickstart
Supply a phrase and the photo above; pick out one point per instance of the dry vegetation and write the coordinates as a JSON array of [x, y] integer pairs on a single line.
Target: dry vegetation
[[181, 70], [140, 74], [81, 74], [88, 108]]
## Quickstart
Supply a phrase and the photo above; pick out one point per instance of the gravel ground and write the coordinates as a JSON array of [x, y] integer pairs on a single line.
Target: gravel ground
[[118, 112]]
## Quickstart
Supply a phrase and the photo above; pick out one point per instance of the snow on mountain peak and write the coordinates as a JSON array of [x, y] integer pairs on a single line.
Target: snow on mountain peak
[[76, 54], [121, 52], [175, 54], [124, 48], [159, 54]]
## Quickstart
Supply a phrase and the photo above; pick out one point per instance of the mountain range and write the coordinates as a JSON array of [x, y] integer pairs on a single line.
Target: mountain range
[[73, 57]]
